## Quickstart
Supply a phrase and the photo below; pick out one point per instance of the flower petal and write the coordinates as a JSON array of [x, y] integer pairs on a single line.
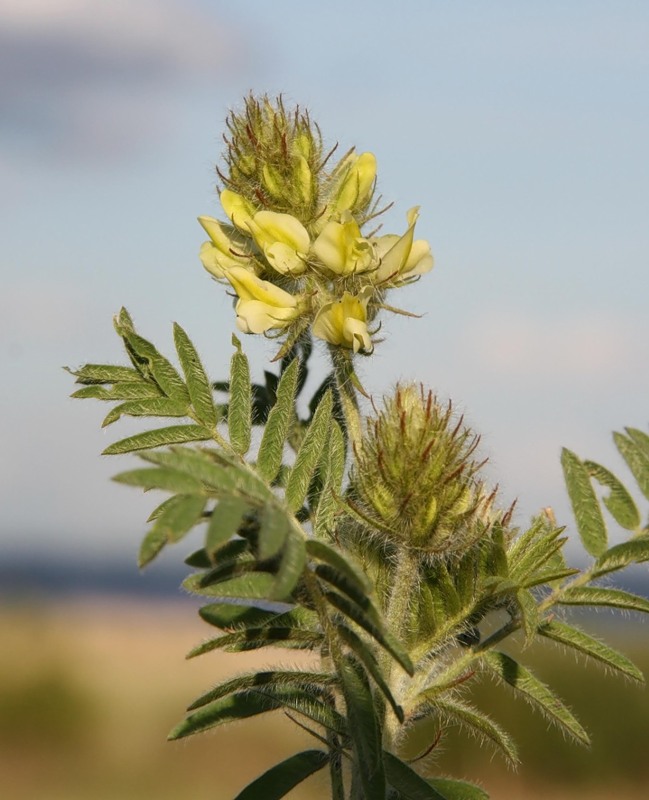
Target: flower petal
[[238, 209]]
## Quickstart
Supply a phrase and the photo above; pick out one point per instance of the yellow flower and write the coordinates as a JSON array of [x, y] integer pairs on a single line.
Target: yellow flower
[[342, 249], [283, 240], [344, 322], [238, 209], [226, 249], [261, 305], [400, 256], [358, 174]]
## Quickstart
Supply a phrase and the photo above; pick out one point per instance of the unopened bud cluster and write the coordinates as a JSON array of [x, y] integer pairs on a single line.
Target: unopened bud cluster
[[292, 247], [414, 476]]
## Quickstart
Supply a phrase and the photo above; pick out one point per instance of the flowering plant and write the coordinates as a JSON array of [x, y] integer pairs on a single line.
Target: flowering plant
[[370, 538]]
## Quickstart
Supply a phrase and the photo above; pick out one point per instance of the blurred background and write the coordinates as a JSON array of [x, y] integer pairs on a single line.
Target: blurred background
[[522, 130]]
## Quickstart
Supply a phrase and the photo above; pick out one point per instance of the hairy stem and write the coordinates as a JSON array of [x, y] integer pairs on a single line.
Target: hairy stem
[[405, 581], [344, 373]]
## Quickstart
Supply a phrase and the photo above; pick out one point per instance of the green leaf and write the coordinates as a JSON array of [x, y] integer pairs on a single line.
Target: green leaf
[[271, 450], [178, 518], [367, 659], [164, 374], [280, 779], [175, 434], [309, 454], [153, 407], [621, 555], [240, 405], [529, 614], [365, 728], [318, 682], [453, 709], [597, 596], [585, 505], [291, 566], [582, 642], [160, 508], [224, 522], [231, 616], [619, 502], [549, 576], [537, 553], [543, 698], [458, 790], [274, 527], [105, 373], [634, 449], [340, 561], [640, 438], [341, 582], [227, 709], [198, 385], [256, 638], [333, 471], [151, 545], [169, 480], [251, 585], [405, 780], [119, 391], [214, 469], [382, 636]]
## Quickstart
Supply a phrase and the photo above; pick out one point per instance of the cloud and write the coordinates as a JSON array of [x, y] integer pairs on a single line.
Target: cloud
[[82, 77]]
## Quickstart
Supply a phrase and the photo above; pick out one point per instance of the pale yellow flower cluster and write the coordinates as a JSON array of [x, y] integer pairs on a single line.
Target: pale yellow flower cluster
[[327, 274]]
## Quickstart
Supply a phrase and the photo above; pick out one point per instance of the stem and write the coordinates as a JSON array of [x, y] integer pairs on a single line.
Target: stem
[[405, 580], [344, 374], [335, 768]]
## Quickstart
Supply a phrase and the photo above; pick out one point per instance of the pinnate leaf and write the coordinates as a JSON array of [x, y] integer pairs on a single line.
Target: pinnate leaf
[[634, 449], [280, 779], [240, 405], [585, 504], [619, 502], [522, 680], [271, 450], [575, 638], [309, 454], [599, 596], [198, 385], [174, 434]]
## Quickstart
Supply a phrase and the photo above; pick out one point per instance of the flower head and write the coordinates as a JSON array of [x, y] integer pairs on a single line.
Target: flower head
[[344, 322], [400, 256], [262, 306]]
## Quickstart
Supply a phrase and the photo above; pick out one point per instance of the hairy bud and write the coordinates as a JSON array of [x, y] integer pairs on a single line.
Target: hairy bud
[[273, 158], [414, 476]]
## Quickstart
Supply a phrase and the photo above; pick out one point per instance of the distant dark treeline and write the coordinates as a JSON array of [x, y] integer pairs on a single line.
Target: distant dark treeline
[[58, 577], [22, 576]]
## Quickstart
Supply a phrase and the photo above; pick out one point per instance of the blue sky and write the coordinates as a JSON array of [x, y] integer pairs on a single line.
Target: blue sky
[[521, 128]]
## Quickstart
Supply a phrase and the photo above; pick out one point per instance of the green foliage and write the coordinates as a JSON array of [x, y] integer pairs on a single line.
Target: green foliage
[[590, 522], [507, 669], [280, 779], [294, 556]]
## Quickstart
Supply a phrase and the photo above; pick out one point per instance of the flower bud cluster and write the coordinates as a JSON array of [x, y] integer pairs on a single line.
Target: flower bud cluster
[[292, 246], [414, 478]]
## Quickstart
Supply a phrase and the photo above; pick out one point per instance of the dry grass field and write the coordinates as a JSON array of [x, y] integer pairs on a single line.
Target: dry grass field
[[89, 690]]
